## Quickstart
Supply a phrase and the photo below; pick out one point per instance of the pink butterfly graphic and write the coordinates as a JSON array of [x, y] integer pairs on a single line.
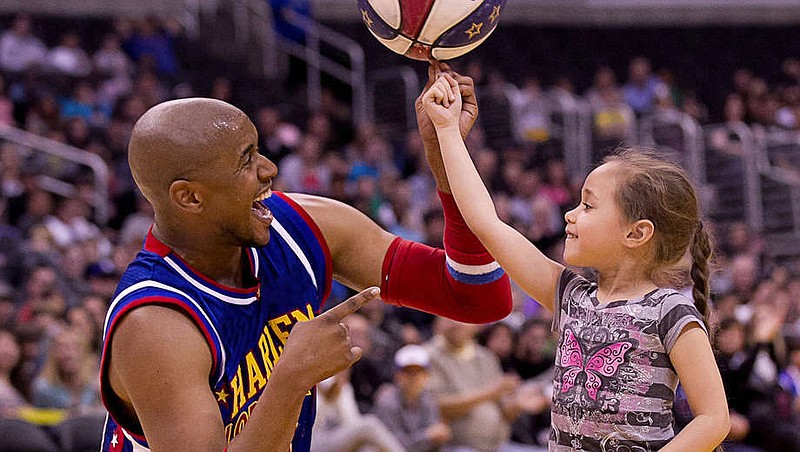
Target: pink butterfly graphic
[[604, 361]]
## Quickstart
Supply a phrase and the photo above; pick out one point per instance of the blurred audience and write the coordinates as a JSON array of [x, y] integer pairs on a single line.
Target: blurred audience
[[468, 388], [20, 49], [340, 427], [69, 378], [407, 407], [476, 399]]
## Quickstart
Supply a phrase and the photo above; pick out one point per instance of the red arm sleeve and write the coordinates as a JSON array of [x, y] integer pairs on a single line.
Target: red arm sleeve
[[462, 282]]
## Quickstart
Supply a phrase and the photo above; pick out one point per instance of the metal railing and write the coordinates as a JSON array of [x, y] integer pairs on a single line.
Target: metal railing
[[732, 175], [686, 149], [782, 177], [577, 132], [100, 172], [384, 108], [311, 52], [245, 12]]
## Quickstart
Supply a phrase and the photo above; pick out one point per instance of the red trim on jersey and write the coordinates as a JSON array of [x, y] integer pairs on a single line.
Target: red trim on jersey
[[152, 300], [160, 248], [120, 434], [415, 275], [139, 438], [152, 244], [251, 260], [250, 291], [322, 243]]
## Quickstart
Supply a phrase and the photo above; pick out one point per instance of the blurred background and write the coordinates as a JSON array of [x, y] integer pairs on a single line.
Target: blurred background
[[712, 84]]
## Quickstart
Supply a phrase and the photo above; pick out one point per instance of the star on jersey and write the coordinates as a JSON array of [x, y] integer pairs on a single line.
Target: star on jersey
[[474, 30], [495, 13], [222, 396], [114, 440], [365, 17]]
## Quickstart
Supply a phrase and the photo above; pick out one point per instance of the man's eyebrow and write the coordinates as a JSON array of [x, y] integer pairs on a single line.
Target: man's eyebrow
[[246, 152]]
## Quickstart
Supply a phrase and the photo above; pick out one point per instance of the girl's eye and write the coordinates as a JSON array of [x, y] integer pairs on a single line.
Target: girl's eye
[[586, 206]]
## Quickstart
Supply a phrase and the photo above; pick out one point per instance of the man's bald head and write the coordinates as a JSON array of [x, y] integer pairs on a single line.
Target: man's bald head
[[177, 139]]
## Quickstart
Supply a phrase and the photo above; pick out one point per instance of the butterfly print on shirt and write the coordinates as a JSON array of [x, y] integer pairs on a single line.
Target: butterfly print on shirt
[[583, 372]]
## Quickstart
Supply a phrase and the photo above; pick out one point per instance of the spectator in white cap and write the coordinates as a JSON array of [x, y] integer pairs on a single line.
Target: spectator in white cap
[[407, 407]]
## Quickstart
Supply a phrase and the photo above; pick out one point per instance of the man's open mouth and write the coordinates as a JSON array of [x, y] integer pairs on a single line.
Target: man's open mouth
[[258, 208]]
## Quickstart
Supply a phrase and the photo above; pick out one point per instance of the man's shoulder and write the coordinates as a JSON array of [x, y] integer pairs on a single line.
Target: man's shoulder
[[327, 214], [311, 202], [149, 275], [146, 266]]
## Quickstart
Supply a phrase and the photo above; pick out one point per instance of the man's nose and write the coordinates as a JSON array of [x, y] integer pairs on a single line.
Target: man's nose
[[266, 169]]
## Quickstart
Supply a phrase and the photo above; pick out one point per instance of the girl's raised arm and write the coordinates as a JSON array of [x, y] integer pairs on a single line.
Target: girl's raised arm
[[525, 264]]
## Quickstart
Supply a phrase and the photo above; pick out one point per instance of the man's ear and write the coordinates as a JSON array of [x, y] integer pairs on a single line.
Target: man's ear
[[639, 233], [186, 196]]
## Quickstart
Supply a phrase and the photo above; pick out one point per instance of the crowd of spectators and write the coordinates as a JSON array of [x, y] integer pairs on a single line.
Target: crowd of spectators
[[424, 383]]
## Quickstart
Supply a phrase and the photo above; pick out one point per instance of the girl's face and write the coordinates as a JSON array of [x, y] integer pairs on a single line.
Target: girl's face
[[596, 227]]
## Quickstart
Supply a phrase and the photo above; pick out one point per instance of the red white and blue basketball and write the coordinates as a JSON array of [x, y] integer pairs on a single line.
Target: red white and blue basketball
[[431, 29]]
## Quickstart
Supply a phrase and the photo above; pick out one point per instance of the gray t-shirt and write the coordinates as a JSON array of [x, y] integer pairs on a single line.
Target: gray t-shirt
[[483, 428], [408, 422], [614, 384]]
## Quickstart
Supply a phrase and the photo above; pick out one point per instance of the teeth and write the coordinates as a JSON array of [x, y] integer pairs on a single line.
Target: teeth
[[264, 196]]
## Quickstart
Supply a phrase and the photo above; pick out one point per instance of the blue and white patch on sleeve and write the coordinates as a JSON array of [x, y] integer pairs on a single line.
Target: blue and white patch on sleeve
[[474, 274]]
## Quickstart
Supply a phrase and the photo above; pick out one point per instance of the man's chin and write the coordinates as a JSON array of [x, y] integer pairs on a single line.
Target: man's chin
[[258, 239]]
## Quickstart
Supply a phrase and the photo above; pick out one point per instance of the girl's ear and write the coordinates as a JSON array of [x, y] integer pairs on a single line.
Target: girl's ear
[[639, 233]]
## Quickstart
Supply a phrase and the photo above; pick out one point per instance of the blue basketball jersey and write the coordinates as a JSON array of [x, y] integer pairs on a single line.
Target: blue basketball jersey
[[246, 329]]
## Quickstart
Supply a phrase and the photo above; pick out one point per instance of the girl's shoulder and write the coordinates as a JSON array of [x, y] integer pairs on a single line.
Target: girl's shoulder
[[570, 281], [574, 291], [667, 299], [666, 295]]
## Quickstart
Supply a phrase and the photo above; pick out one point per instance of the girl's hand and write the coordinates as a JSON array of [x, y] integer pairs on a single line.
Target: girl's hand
[[469, 104], [442, 102]]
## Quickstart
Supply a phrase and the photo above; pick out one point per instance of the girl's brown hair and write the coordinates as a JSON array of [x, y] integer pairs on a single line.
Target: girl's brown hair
[[653, 188]]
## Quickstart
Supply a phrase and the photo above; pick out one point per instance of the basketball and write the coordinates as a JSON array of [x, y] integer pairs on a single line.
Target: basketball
[[431, 29]]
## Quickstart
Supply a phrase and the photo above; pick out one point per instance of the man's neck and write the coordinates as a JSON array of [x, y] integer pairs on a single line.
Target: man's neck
[[223, 264]]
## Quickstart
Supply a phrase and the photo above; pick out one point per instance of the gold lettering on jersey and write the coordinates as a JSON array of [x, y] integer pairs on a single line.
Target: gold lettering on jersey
[[254, 374], [234, 428], [256, 368], [238, 390], [281, 326], [264, 348], [300, 317]]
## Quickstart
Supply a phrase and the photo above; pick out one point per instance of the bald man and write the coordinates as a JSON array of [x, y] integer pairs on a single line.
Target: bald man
[[213, 339]]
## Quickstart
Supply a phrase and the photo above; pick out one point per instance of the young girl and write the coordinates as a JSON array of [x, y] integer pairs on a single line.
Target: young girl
[[627, 340]]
